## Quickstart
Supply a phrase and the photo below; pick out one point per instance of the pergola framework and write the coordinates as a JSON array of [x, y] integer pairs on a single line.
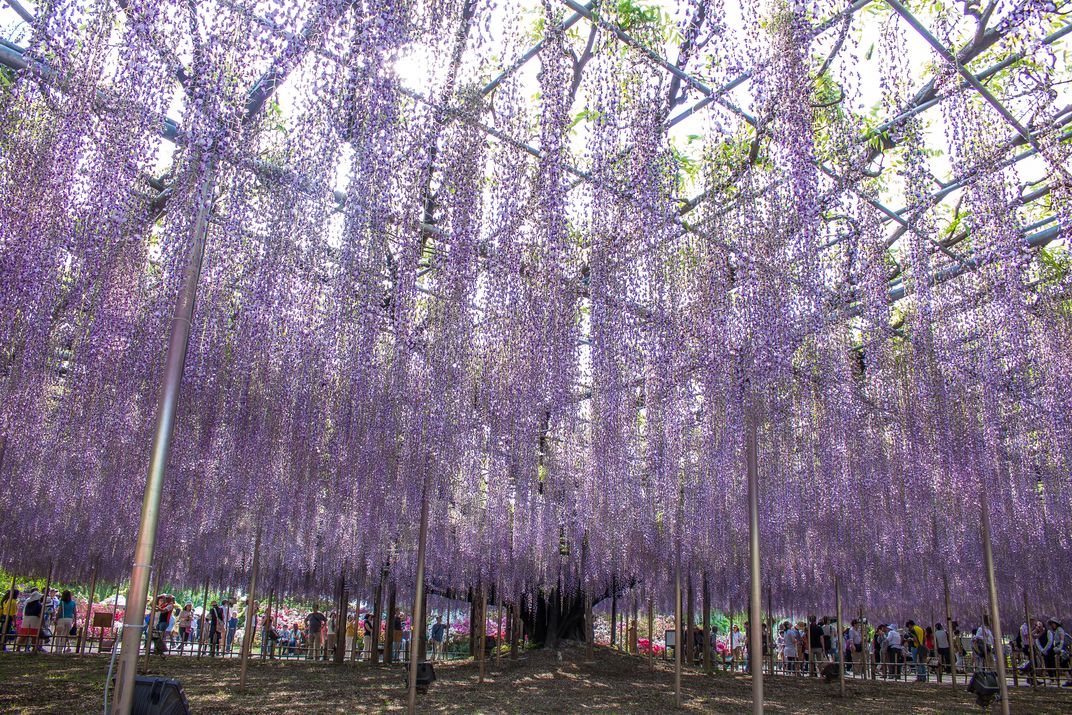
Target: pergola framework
[[453, 110]]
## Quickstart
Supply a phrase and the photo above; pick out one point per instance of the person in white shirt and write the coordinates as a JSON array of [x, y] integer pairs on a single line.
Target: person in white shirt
[[983, 644], [856, 646], [790, 652], [941, 644], [737, 645], [894, 646]]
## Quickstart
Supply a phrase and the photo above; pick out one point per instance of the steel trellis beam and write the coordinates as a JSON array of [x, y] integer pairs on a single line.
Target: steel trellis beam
[[971, 79], [532, 52], [658, 59]]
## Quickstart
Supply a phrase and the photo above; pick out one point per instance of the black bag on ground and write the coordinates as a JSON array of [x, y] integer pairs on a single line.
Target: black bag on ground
[[984, 684], [159, 696]]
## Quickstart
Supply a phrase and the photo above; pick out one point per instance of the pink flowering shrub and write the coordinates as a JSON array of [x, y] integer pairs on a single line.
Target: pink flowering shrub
[[645, 645]]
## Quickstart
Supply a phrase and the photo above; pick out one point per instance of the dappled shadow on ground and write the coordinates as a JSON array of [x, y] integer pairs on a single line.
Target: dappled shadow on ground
[[540, 682]]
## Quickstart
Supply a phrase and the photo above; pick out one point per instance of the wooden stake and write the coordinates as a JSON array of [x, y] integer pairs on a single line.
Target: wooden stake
[[115, 610], [677, 628], [651, 632], [267, 646], [204, 620], [389, 646], [733, 651], [613, 611], [995, 615], [377, 617], [690, 624], [515, 633], [339, 656], [7, 618], [770, 633], [708, 666], [483, 629], [48, 586], [498, 632], [590, 628], [419, 618], [840, 644], [89, 611], [251, 611], [1031, 637]]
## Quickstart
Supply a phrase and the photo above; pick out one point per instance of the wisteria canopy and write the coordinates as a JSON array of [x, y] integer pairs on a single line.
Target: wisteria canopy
[[546, 262]]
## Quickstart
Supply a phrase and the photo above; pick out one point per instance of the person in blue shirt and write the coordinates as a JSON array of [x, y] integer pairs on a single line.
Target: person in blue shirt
[[65, 620], [439, 632], [232, 626]]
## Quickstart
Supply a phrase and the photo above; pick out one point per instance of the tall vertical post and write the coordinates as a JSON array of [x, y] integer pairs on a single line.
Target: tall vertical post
[[953, 647], [613, 612], [705, 608], [515, 631], [755, 625], [770, 629], [204, 620], [47, 599], [498, 628], [267, 647], [389, 631], [418, 604], [251, 611], [733, 649], [840, 643], [690, 642], [341, 609], [89, 611], [1031, 646], [377, 617], [995, 614], [651, 632], [677, 631], [7, 619], [482, 626], [151, 621], [181, 323], [589, 627]]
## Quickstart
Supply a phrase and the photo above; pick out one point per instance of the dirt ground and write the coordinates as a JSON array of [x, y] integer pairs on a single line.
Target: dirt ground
[[540, 682]]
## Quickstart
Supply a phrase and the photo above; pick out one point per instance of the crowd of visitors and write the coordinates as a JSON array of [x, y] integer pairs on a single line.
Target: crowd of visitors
[[1041, 651]]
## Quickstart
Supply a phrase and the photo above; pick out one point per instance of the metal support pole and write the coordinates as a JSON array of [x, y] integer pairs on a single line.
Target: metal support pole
[[755, 626], [251, 611], [418, 604], [161, 447], [995, 614]]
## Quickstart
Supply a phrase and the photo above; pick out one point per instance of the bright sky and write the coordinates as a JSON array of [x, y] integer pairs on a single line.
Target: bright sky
[[421, 67]]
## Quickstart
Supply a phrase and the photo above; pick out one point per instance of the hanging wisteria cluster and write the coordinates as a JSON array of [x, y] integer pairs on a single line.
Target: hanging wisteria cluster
[[543, 262]]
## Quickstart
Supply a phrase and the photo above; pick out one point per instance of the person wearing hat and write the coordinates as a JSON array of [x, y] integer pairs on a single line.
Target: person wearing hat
[[31, 619], [1045, 650], [1062, 647]]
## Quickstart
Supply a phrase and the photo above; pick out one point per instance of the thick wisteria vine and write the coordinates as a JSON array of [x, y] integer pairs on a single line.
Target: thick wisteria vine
[[549, 292]]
